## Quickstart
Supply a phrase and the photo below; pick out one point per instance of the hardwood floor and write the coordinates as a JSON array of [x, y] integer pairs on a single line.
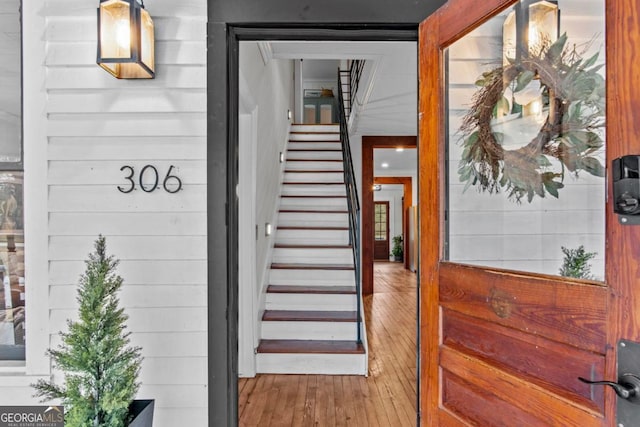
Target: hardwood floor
[[387, 397]]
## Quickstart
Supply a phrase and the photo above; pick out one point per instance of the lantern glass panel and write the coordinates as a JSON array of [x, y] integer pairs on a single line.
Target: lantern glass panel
[[115, 29]]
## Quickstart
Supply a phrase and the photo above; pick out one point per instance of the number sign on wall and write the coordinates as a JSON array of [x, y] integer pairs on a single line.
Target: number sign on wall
[[148, 180]]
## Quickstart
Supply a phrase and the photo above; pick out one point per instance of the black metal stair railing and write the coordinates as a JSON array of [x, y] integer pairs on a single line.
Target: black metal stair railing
[[352, 81], [352, 202]]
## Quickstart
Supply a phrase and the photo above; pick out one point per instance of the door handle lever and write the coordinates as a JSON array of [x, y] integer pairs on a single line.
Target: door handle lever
[[627, 387]]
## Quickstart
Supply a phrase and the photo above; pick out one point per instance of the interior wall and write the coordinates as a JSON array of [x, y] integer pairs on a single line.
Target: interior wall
[[394, 197], [271, 87]]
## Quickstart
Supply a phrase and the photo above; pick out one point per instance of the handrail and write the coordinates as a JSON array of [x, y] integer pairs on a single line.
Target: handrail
[[352, 202], [353, 74]]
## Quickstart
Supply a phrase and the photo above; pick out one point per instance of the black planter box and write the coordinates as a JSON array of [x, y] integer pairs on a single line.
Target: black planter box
[[141, 412]]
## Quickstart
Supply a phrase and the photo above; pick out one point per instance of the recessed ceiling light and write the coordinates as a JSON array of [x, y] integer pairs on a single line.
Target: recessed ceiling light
[[385, 165], [400, 149]]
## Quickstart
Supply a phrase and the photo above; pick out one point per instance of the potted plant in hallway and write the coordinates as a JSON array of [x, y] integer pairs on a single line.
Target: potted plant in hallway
[[99, 367], [397, 252]]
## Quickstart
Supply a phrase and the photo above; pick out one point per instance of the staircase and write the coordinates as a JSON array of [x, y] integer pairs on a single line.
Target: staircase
[[310, 323]]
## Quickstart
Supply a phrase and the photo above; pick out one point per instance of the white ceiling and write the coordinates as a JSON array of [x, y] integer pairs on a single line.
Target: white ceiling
[[388, 94]]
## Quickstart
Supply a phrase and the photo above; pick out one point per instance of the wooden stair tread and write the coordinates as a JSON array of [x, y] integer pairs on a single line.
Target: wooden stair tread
[[312, 211], [312, 183], [316, 196], [283, 266], [310, 346], [318, 290], [316, 132], [291, 246], [300, 227], [314, 160], [306, 150], [308, 316], [313, 171]]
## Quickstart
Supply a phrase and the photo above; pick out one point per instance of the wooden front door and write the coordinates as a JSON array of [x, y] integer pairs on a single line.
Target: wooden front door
[[512, 193], [381, 231]]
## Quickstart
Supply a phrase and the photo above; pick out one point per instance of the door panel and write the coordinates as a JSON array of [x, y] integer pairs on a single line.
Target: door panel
[[505, 347]]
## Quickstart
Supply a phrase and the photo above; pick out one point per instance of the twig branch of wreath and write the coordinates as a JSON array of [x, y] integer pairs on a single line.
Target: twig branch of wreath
[[571, 134]]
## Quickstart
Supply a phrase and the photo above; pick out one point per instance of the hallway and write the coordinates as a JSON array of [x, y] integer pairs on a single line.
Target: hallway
[[386, 398]]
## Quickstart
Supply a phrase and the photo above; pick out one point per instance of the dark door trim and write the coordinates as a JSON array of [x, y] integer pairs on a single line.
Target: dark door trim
[[222, 178], [366, 194]]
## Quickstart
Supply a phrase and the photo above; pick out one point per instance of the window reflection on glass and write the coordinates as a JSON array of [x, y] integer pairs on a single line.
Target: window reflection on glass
[[12, 275], [526, 94], [12, 292], [380, 223]]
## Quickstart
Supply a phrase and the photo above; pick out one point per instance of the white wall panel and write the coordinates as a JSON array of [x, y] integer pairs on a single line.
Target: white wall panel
[[90, 125]]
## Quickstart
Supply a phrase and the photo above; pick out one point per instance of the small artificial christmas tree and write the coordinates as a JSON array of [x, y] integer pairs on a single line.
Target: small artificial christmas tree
[[100, 369], [576, 263]]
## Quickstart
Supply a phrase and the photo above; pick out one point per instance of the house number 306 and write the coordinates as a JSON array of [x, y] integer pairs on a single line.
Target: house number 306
[[148, 180]]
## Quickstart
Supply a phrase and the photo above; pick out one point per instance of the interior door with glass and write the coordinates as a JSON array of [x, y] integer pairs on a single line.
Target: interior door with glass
[[528, 277], [381, 231]]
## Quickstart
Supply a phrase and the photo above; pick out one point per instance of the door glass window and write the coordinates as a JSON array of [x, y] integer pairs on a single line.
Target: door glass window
[[526, 140], [12, 277], [381, 221]]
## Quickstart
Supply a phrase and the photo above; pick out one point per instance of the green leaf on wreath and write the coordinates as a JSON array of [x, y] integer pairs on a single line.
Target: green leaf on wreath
[[543, 161], [552, 187], [554, 53], [593, 166], [589, 62], [503, 105], [480, 82], [523, 80]]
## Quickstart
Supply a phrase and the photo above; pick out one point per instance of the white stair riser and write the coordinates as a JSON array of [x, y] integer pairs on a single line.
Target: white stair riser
[[337, 176], [298, 127], [311, 203], [315, 145], [318, 364], [307, 256], [314, 166], [312, 237], [312, 277], [329, 302], [314, 218], [337, 331], [319, 155], [337, 190], [314, 223]]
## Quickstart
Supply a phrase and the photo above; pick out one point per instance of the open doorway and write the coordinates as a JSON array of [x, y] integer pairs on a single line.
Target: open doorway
[[382, 110]]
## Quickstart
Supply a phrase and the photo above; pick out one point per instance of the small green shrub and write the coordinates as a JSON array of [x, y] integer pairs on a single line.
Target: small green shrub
[[397, 250], [576, 263]]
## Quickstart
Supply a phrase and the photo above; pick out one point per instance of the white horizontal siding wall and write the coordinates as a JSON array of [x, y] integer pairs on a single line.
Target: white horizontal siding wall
[[81, 127], [491, 230]]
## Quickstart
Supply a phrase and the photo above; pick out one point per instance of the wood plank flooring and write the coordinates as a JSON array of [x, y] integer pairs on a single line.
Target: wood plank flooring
[[387, 397]]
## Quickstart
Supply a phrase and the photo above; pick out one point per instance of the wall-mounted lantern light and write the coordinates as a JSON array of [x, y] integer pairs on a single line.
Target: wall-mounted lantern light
[[530, 27], [125, 39], [531, 24]]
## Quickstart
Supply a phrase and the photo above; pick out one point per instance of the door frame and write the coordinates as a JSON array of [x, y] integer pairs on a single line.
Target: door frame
[[222, 178], [369, 143], [621, 254], [406, 182]]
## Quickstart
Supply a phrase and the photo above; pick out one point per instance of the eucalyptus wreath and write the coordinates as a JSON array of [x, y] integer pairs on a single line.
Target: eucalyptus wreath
[[575, 93]]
